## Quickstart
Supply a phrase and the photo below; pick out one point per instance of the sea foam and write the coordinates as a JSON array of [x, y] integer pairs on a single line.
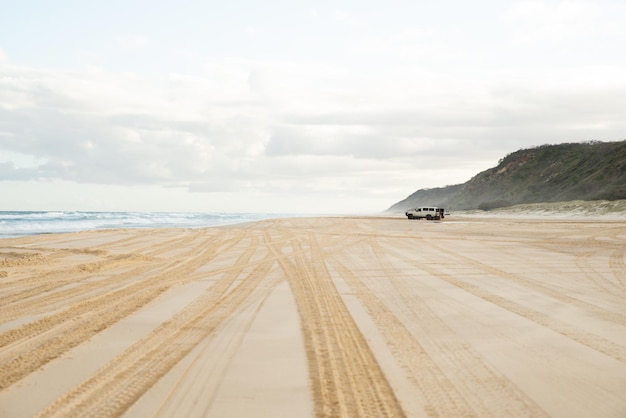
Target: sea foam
[[14, 224]]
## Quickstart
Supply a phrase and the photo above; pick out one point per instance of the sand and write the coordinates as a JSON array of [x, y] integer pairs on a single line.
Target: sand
[[470, 316]]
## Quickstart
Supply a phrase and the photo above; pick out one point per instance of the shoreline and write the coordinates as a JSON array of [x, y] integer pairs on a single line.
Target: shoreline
[[571, 210], [314, 316]]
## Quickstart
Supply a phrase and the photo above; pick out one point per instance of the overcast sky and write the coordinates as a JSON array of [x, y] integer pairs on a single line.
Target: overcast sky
[[292, 107]]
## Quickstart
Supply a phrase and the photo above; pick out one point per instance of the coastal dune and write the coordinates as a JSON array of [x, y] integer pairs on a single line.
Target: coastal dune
[[328, 316]]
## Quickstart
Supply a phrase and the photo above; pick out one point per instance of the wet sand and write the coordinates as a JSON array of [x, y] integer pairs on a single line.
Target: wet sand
[[318, 317]]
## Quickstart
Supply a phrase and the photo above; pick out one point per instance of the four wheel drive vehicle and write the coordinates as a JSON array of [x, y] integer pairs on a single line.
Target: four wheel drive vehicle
[[428, 213]]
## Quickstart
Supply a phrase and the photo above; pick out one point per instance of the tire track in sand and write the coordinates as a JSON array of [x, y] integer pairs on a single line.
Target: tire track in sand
[[618, 267], [115, 387], [30, 346], [595, 342], [499, 397], [125, 282], [560, 296], [347, 380], [56, 288], [52, 289]]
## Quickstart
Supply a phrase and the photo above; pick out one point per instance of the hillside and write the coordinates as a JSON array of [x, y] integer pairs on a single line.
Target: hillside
[[549, 173]]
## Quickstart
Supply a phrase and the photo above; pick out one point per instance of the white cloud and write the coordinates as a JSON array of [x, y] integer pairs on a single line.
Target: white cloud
[[220, 130]]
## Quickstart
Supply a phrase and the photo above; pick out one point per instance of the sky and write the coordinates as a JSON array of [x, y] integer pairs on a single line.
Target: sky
[[324, 107]]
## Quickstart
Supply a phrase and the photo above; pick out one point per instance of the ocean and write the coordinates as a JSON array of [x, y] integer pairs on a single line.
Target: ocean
[[15, 224]]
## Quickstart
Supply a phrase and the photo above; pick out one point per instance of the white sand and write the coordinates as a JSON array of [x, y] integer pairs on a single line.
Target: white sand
[[471, 316]]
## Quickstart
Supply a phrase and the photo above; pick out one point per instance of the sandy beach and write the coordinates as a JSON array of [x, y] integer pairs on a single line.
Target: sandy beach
[[318, 317]]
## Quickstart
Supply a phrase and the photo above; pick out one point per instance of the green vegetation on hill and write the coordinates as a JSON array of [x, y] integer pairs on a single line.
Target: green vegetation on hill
[[548, 173]]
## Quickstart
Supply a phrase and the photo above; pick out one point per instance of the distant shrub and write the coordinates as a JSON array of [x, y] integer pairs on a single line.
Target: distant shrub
[[494, 204], [615, 193]]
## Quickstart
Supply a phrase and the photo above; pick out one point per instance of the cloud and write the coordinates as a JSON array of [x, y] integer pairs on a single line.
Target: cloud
[[244, 125], [9, 172]]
